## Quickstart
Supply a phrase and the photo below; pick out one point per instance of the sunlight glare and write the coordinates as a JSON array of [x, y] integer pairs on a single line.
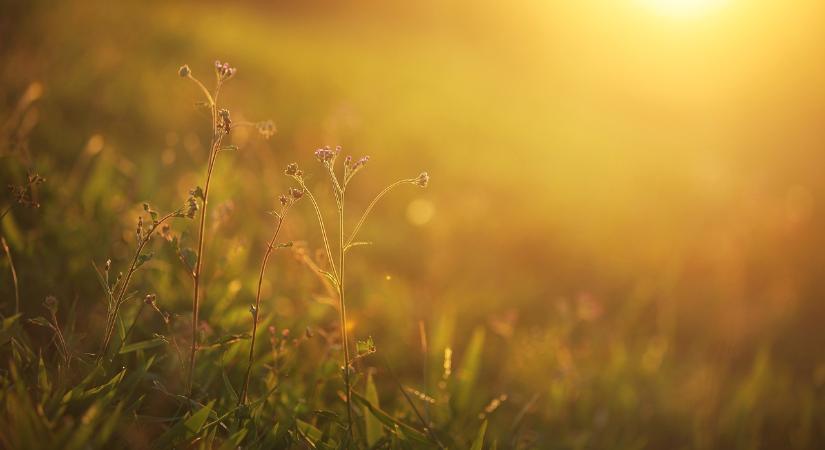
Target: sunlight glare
[[683, 8]]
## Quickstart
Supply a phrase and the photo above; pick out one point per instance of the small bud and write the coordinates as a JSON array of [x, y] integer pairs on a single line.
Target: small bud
[[423, 179], [108, 265], [296, 193], [150, 299], [184, 71], [284, 200]]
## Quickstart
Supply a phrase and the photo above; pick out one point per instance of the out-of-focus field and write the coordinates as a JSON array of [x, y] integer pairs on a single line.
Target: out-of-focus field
[[627, 204]]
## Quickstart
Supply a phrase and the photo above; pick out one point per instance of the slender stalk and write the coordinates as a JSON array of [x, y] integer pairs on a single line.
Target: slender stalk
[[13, 275], [269, 248], [6, 211], [371, 205], [343, 308], [112, 319], [323, 230], [217, 136]]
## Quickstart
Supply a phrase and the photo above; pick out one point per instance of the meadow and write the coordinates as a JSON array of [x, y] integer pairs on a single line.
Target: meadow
[[446, 225]]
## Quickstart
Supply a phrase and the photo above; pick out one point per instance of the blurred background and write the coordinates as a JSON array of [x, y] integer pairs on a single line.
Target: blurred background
[[626, 196]]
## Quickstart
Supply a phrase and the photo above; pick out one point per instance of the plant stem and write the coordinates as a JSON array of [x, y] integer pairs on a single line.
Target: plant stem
[[343, 308], [13, 276], [217, 136], [323, 231], [269, 248], [371, 205]]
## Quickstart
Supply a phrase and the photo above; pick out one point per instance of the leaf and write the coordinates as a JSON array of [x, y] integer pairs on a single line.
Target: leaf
[[143, 258], [479, 440], [373, 426], [356, 244], [469, 369], [142, 345], [228, 385], [390, 421], [185, 429], [365, 347], [41, 321]]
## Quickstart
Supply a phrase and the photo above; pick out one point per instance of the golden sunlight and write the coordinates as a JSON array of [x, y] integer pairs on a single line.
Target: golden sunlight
[[683, 8]]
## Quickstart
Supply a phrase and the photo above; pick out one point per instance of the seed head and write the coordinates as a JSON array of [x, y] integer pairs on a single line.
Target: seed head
[[423, 179], [184, 71]]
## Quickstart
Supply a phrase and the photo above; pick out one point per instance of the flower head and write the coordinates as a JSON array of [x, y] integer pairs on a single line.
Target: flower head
[[327, 155], [293, 170], [224, 71], [422, 179], [296, 193], [184, 71]]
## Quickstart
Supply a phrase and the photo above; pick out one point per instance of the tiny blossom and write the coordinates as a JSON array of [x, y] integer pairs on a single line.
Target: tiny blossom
[[348, 161], [360, 163], [184, 71], [296, 193], [423, 179], [326, 154], [292, 170], [284, 200], [224, 71]]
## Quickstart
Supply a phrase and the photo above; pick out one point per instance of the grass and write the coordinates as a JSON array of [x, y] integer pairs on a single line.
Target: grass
[[555, 288]]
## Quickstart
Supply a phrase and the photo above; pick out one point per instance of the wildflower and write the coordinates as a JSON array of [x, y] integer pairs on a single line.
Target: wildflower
[[296, 193], [423, 179], [360, 163], [184, 71], [293, 171], [284, 200], [326, 155], [224, 71]]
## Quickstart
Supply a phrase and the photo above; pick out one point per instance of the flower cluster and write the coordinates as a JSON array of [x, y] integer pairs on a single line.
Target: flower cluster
[[23, 194], [293, 196], [327, 155], [293, 171], [224, 71]]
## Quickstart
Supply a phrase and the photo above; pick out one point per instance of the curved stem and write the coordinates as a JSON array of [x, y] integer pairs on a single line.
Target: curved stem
[[269, 248], [323, 231], [13, 275], [371, 205]]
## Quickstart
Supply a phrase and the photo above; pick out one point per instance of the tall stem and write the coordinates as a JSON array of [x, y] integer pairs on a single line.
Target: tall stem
[[196, 274], [371, 205], [217, 136], [269, 248], [343, 308]]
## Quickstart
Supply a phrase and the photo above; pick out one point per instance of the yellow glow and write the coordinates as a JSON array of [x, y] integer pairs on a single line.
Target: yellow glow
[[683, 8]]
